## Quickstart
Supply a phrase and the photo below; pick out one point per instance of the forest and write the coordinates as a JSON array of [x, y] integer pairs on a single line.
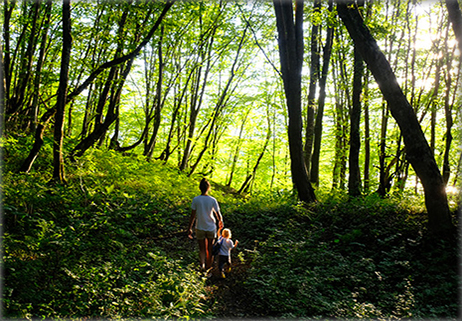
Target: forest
[[330, 131]]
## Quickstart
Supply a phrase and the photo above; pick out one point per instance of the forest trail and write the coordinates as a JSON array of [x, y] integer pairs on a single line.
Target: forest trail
[[228, 296]]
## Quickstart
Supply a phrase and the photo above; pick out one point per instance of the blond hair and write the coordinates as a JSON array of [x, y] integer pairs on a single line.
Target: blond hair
[[226, 233]]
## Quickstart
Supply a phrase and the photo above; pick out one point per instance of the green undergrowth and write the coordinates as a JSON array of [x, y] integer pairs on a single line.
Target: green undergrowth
[[84, 249], [110, 244], [362, 258]]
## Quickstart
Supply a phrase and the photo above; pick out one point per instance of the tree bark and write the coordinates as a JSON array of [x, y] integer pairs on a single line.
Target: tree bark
[[22, 62], [58, 163], [417, 148], [327, 51], [354, 180], [367, 136], [291, 55], [448, 107], [158, 101], [34, 104], [6, 52], [314, 75], [340, 120], [455, 16], [384, 180]]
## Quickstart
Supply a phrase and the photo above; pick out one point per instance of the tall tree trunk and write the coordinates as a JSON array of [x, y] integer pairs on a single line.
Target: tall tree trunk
[[158, 101], [88, 112], [417, 148], [200, 79], [434, 104], [367, 136], [314, 170], [6, 52], [343, 108], [34, 106], [291, 55], [338, 171], [402, 164], [448, 107], [314, 75], [354, 181], [38, 141], [455, 16], [16, 103], [58, 163], [384, 180]]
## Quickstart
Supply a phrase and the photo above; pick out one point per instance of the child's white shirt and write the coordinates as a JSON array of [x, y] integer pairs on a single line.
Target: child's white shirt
[[226, 246]]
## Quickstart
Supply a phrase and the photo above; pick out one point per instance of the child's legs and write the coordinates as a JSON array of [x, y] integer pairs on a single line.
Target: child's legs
[[222, 259], [229, 263]]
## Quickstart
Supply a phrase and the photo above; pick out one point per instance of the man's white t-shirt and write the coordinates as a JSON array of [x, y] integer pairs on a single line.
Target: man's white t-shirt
[[204, 206]]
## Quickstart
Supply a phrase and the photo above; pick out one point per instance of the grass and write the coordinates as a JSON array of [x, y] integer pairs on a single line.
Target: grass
[[108, 244]]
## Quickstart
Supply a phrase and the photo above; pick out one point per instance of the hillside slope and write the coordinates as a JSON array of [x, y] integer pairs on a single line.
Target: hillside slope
[[111, 244]]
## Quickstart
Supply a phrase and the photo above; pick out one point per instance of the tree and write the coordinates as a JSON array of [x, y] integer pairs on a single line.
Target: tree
[[46, 117], [417, 148], [237, 148], [202, 67], [327, 50], [354, 180], [158, 102], [248, 182], [455, 16], [314, 75], [291, 58], [222, 101], [448, 107], [58, 163], [341, 103], [152, 107]]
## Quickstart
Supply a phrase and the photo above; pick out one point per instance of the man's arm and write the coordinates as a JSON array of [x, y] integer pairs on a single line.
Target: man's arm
[[219, 231], [191, 222], [219, 218]]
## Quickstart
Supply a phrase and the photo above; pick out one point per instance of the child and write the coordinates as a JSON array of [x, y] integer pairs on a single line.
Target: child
[[224, 256]]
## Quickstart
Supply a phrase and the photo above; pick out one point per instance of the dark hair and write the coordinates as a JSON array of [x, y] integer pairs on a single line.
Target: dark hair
[[204, 185]]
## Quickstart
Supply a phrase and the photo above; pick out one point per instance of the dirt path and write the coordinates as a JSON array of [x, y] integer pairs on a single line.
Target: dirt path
[[228, 295]]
